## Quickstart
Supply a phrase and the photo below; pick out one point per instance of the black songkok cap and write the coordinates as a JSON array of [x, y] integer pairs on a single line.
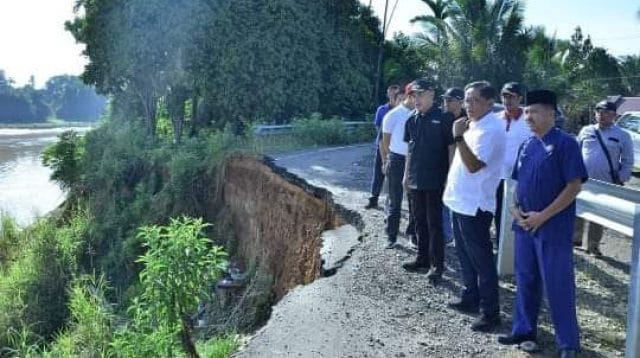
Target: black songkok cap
[[542, 97]]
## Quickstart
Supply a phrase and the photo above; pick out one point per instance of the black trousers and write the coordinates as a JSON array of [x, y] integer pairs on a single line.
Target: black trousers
[[378, 177], [427, 212]]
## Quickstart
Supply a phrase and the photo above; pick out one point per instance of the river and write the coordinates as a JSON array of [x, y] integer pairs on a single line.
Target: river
[[26, 191]]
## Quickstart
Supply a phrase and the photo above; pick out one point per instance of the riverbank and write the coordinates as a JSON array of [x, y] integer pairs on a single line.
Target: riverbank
[[48, 125]]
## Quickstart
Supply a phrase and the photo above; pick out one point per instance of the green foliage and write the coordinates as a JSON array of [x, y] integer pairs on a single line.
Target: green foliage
[[91, 325], [71, 100], [179, 266], [219, 347], [237, 61], [64, 157], [33, 294], [10, 237], [315, 130]]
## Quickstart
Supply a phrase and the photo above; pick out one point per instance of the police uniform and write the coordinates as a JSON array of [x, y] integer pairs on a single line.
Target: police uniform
[[544, 258]]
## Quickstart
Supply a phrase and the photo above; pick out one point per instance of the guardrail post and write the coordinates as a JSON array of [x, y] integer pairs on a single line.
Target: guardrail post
[[633, 316], [506, 236]]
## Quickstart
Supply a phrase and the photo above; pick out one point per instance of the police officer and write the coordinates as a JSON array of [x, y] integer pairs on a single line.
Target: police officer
[[549, 172]]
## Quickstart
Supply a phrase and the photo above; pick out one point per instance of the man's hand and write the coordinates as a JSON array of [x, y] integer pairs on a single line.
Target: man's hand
[[532, 220], [460, 126], [385, 167]]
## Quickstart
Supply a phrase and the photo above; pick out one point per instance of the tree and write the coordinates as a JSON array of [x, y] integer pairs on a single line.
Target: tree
[[70, 99], [467, 40], [179, 265], [630, 71]]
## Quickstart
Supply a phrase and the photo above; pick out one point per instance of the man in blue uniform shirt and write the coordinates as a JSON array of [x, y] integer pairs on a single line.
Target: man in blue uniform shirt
[[549, 172], [378, 175]]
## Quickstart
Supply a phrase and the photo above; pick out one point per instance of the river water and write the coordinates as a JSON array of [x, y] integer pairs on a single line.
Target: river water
[[25, 189]]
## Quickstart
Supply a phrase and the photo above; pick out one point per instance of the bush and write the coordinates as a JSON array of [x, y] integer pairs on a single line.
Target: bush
[[10, 237], [33, 291], [90, 331], [179, 266], [315, 130], [63, 157]]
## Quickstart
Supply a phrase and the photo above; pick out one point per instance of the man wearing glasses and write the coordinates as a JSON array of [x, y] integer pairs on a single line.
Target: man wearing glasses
[[607, 151], [471, 195]]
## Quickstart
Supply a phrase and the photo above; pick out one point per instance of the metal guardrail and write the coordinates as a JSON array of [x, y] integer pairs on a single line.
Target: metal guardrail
[[613, 206], [265, 130]]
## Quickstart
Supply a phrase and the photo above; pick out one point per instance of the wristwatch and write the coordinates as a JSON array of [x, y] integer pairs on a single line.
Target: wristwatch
[[458, 138]]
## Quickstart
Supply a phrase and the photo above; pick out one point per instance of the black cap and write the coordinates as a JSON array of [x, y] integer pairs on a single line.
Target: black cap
[[420, 85], [606, 105], [454, 92], [513, 88], [542, 97]]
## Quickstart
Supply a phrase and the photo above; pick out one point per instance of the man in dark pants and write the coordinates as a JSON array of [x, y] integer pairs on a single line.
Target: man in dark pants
[[549, 174], [470, 194], [428, 132], [378, 175]]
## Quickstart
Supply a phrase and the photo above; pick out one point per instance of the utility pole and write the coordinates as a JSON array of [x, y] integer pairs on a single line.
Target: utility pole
[[376, 91]]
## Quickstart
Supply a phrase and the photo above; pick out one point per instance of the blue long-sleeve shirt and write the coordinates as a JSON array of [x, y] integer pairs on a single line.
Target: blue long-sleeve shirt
[[380, 113], [620, 148]]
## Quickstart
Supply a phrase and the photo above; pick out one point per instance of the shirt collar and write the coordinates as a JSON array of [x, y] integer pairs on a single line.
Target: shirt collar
[[512, 115]]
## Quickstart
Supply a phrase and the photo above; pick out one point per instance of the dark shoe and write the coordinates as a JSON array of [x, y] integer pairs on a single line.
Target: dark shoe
[[462, 306], [435, 274], [567, 353], [416, 266], [529, 347], [373, 204], [513, 339], [486, 323], [595, 252], [391, 245]]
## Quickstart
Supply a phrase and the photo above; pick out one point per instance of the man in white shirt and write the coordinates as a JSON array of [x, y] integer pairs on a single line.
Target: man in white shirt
[[394, 151], [470, 194], [517, 131]]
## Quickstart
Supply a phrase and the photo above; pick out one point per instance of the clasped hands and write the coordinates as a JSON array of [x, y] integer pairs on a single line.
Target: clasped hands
[[530, 220]]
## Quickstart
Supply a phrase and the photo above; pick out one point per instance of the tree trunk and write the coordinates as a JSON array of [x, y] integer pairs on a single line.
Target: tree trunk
[[186, 340]]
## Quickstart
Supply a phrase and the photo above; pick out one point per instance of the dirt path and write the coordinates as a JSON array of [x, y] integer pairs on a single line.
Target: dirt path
[[372, 308]]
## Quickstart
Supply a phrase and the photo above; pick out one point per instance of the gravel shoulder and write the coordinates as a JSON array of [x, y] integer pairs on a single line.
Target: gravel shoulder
[[372, 308]]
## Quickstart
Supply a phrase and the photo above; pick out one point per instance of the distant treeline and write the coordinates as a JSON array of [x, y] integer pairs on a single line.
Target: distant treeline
[[64, 97]]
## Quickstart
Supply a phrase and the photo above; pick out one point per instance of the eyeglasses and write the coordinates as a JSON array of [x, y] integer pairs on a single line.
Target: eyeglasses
[[474, 100], [507, 95]]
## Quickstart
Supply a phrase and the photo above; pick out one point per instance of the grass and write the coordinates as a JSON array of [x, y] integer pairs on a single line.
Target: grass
[[219, 347]]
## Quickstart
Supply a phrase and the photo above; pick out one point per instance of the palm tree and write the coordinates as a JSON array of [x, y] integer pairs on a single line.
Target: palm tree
[[482, 39]]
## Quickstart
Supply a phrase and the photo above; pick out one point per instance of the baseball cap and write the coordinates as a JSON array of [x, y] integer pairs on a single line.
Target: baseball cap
[[454, 92], [606, 105], [513, 88], [420, 85]]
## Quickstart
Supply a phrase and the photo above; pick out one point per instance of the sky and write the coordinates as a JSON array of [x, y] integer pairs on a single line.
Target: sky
[[33, 40]]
